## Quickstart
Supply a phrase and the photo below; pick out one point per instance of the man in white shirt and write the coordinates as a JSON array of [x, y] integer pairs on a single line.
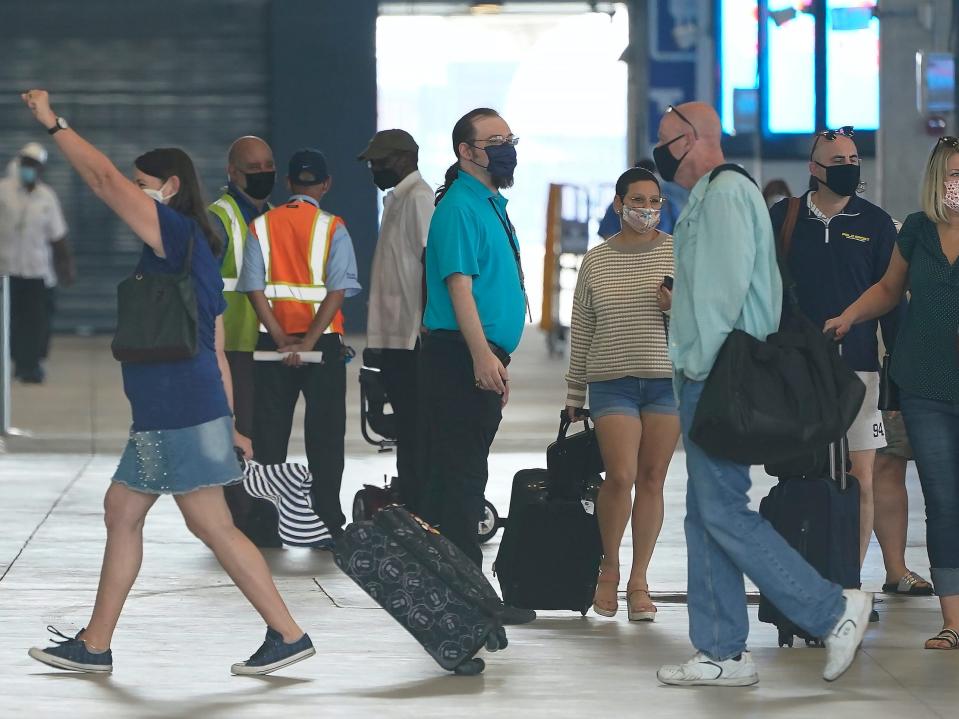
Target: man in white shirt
[[35, 254], [396, 290]]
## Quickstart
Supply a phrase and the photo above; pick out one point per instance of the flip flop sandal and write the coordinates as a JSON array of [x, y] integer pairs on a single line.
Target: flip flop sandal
[[949, 636], [911, 585]]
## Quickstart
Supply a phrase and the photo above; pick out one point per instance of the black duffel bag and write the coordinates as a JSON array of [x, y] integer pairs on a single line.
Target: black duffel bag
[[769, 402]]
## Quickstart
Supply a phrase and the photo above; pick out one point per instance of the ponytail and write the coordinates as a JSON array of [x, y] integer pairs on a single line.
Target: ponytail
[[463, 131], [451, 175]]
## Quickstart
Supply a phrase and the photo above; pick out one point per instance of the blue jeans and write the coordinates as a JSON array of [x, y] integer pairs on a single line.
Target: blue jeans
[[933, 429], [726, 539]]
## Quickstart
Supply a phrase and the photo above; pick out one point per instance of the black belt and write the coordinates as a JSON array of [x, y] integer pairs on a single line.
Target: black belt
[[457, 336]]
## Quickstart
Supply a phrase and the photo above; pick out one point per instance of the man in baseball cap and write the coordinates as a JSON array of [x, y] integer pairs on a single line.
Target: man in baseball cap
[[298, 296], [35, 253]]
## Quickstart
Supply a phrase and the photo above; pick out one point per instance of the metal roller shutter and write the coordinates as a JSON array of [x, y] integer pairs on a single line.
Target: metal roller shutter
[[130, 77]]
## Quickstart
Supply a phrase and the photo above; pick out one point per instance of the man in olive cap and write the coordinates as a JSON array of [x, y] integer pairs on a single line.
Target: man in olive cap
[[396, 289]]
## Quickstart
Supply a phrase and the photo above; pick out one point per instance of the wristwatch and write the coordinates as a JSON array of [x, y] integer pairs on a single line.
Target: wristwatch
[[60, 124]]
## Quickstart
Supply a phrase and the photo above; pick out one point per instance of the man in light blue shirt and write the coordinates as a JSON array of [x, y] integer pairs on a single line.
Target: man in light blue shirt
[[727, 278]]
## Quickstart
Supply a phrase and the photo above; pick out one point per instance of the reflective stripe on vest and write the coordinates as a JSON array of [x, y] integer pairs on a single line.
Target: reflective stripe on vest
[[284, 285], [229, 212]]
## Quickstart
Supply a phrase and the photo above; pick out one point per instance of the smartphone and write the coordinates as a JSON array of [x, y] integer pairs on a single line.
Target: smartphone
[[668, 283]]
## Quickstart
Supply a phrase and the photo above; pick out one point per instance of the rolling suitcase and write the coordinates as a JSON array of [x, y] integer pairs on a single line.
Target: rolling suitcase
[[427, 585], [551, 548], [816, 509]]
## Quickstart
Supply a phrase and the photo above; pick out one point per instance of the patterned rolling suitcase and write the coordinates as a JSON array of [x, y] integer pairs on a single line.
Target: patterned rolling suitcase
[[427, 585]]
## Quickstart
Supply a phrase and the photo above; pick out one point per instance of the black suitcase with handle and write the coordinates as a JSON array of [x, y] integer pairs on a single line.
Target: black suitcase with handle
[[816, 509], [427, 585], [551, 548]]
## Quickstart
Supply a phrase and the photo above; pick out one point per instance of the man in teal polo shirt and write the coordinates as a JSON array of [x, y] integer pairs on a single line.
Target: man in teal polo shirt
[[475, 312]]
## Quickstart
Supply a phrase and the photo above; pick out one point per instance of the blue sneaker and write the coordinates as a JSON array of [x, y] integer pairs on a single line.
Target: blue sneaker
[[275, 654], [72, 653]]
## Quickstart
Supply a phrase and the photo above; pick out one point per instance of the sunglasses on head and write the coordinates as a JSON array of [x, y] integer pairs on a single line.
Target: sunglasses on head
[[831, 135], [949, 140], [681, 116]]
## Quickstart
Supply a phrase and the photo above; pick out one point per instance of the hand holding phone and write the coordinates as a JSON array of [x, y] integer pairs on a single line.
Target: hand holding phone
[[668, 282]]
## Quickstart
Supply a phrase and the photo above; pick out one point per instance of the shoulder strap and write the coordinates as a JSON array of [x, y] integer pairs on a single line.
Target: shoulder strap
[[730, 167], [789, 226]]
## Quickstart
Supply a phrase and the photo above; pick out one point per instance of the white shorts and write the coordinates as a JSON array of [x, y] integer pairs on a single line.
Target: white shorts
[[867, 431]]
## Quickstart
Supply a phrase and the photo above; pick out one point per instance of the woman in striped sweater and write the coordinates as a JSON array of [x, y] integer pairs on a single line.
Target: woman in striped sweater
[[619, 353]]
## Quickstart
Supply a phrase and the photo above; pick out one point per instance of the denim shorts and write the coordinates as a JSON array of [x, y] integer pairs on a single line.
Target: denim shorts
[[177, 461], [632, 396]]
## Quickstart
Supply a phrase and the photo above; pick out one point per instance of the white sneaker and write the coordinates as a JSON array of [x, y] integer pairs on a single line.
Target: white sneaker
[[703, 671], [844, 639]]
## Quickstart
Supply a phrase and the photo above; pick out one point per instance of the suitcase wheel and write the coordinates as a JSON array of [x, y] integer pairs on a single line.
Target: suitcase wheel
[[496, 640], [785, 639], [470, 668], [489, 523], [817, 643], [359, 507]]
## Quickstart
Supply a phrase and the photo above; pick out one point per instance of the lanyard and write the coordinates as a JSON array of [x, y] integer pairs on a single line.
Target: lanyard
[[507, 227]]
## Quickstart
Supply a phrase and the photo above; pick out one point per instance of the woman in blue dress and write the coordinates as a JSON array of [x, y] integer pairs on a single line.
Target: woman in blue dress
[[182, 439]]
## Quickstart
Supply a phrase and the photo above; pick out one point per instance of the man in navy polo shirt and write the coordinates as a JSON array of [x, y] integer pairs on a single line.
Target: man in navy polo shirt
[[841, 246], [475, 313]]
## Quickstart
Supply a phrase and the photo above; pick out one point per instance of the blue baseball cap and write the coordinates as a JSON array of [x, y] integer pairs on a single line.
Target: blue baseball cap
[[308, 167]]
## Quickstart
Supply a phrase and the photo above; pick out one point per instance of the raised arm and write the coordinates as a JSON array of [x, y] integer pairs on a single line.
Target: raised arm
[[120, 194]]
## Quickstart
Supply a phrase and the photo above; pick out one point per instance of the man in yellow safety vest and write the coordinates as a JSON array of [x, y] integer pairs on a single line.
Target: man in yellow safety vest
[[251, 174]]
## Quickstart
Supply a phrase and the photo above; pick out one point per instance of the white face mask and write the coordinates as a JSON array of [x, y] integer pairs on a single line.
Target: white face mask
[[641, 219], [157, 195]]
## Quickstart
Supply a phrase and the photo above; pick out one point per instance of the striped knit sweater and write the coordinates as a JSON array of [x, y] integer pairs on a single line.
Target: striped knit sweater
[[617, 328]]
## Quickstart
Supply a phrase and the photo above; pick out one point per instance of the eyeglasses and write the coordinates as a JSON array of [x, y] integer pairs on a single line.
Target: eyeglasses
[[681, 116], [655, 202], [949, 140], [500, 140], [831, 135]]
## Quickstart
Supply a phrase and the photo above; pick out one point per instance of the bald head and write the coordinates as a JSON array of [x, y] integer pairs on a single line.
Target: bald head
[[249, 163], [248, 148], [692, 134], [840, 151], [696, 118]]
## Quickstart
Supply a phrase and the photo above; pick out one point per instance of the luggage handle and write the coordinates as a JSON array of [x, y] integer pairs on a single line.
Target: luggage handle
[[565, 423], [841, 444]]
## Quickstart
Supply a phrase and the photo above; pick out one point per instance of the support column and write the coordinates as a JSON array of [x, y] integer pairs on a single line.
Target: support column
[[323, 94]]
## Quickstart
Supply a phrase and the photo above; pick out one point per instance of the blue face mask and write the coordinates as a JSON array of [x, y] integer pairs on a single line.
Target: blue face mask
[[502, 160], [28, 175]]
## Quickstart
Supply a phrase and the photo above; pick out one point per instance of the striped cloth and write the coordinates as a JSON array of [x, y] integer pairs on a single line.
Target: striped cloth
[[287, 486], [617, 328]]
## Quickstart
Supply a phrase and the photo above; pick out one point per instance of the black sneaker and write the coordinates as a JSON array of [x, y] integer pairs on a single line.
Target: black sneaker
[[515, 615], [72, 653], [275, 654]]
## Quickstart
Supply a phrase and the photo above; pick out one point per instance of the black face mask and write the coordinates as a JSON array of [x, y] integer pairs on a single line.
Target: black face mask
[[386, 178], [501, 166], [259, 185], [841, 179], [665, 162]]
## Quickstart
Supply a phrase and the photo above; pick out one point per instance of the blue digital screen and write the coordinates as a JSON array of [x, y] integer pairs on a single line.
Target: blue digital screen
[[852, 64], [739, 62], [791, 66]]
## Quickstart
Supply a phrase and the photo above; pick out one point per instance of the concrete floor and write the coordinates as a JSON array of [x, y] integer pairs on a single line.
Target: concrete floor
[[185, 623]]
